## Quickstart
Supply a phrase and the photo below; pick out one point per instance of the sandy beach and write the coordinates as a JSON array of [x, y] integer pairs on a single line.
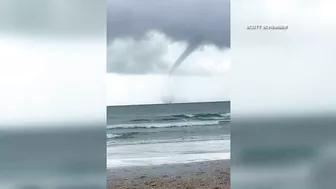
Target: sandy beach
[[208, 175]]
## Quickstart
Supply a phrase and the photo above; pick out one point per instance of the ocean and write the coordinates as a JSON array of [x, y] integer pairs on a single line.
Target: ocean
[[142, 135], [284, 153]]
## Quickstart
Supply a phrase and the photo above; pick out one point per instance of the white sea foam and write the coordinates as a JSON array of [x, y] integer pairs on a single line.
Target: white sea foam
[[185, 139], [162, 125], [110, 136], [174, 159], [167, 153]]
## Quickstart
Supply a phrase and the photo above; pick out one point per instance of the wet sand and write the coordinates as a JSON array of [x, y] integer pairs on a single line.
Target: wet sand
[[208, 175]]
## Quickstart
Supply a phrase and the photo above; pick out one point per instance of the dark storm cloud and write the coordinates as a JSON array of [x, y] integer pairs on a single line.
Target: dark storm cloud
[[207, 21]]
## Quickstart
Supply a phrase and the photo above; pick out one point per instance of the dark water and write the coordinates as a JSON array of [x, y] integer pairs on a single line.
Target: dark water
[[53, 159], [288, 153], [189, 132]]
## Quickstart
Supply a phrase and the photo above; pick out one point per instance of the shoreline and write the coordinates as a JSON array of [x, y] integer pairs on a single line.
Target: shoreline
[[207, 174]]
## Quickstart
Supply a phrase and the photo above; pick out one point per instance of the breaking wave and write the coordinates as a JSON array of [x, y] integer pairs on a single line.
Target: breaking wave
[[163, 125]]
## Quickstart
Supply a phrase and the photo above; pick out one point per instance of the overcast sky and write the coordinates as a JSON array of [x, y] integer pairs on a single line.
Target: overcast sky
[[272, 72], [182, 20], [146, 37]]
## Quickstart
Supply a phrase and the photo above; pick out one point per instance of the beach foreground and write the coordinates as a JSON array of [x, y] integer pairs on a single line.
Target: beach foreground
[[207, 175]]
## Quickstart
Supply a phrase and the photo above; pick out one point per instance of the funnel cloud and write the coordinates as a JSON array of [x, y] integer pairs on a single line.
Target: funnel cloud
[[194, 22], [149, 48], [190, 48]]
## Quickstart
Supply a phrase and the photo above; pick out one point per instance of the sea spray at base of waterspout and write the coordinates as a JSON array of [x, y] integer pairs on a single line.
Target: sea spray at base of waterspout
[[167, 91], [167, 96]]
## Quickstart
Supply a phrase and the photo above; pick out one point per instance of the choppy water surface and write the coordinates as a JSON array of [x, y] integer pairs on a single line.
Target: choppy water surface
[[167, 133]]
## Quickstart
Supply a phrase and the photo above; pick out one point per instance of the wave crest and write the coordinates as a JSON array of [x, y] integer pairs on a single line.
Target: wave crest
[[163, 125]]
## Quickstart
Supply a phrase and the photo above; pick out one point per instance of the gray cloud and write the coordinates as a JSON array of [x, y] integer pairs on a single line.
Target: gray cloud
[[126, 59], [181, 20]]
